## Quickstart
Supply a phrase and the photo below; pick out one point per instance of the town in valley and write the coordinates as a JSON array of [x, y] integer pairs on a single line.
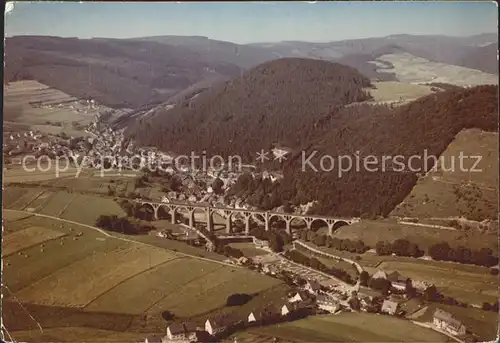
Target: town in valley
[[180, 180]]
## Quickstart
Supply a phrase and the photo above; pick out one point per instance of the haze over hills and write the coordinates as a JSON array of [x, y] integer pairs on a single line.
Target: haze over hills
[[118, 73], [141, 71]]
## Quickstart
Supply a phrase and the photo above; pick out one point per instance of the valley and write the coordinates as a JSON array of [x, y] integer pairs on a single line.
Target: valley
[[165, 187]]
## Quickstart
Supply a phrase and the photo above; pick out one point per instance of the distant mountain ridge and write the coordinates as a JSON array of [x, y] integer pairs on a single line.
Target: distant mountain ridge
[[147, 70]]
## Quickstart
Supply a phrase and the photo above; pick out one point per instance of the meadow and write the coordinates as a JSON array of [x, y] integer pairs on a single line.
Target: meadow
[[452, 190], [350, 327], [76, 273]]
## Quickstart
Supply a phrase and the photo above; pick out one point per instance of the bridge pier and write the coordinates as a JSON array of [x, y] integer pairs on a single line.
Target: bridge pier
[[172, 215], [210, 223], [288, 227], [191, 218], [155, 209], [229, 228], [330, 228], [247, 225], [266, 221]]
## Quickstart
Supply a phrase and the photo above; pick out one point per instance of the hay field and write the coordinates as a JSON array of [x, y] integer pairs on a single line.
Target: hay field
[[11, 194], [22, 239], [17, 98], [70, 286], [18, 174], [412, 69], [75, 334], [394, 91], [212, 290], [87, 208], [104, 274], [38, 203], [372, 231], [57, 203], [152, 286], [24, 197], [351, 327], [461, 191]]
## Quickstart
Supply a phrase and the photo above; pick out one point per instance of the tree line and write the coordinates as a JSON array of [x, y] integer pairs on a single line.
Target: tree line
[[122, 225]]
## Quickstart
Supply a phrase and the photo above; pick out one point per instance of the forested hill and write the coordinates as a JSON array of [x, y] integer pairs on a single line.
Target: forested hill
[[282, 101], [429, 123]]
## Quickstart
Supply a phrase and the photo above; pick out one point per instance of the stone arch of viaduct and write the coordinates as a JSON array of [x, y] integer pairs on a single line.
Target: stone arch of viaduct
[[332, 223]]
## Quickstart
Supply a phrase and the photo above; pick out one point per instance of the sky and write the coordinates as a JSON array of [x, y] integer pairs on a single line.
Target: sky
[[251, 21]]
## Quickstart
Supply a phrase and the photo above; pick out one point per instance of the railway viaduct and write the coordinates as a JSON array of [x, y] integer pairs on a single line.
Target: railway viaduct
[[189, 209]]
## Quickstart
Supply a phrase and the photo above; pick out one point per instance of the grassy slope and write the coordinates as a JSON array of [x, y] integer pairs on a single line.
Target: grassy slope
[[351, 327]]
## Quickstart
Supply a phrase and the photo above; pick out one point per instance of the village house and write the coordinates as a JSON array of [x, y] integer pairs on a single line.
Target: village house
[[176, 332], [293, 307], [444, 321], [298, 297], [255, 317], [368, 294], [155, 339], [216, 326], [397, 280], [390, 307], [312, 287], [327, 303]]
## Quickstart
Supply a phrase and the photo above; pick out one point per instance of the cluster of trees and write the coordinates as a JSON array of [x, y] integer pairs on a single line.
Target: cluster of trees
[[238, 299], [357, 246], [122, 225], [276, 238], [400, 247], [247, 114], [229, 251], [258, 191], [314, 263], [493, 307], [137, 211], [141, 181], [444, 252]]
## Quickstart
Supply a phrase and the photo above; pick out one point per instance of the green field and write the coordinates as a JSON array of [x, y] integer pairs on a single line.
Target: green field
[[434, 195], [87, 208], [372, 231], [98, 275], [350, 327]]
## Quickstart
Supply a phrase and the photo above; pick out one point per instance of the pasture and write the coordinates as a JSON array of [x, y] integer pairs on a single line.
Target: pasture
[[25, 238], [372, 231], [106, 269], [453, 190], [87, 208], [60, 110], [80, 277], [350, 327], [412, 69], [394, 91]]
